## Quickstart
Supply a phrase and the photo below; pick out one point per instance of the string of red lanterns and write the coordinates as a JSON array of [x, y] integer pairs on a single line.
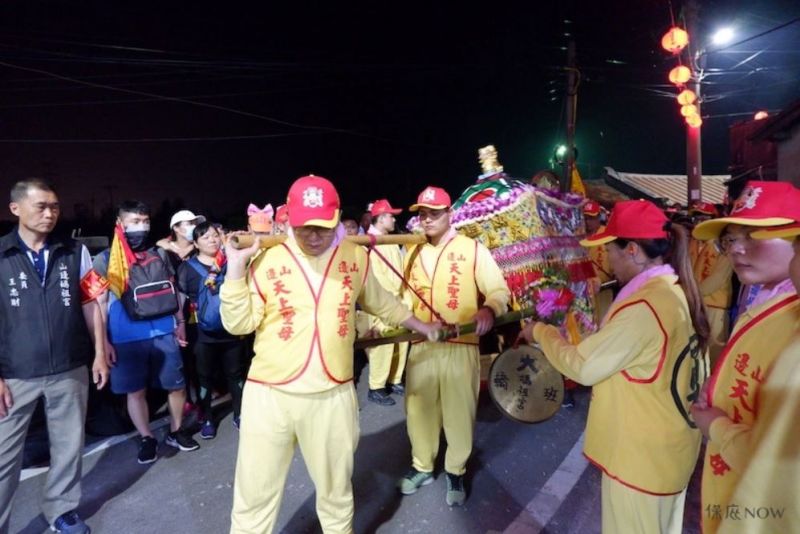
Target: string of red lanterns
[[674, 41]]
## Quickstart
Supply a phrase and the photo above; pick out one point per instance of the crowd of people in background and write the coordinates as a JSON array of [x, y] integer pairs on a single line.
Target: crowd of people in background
[[696, 344]]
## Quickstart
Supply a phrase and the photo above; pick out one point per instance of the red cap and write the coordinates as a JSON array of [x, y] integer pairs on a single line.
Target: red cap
[[432, 197], [631, 219], [704, 208], [379, 207], [591, 208], [282, 214], [760, 204], [313, 201]]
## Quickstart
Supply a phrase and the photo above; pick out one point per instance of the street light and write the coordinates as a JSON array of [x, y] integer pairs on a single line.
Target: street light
[[722, 36]]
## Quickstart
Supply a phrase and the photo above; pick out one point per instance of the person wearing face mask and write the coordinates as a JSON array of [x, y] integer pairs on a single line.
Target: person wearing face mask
[[145, 352], [179, 247], [728, 402], [300, 301], [180, 243]]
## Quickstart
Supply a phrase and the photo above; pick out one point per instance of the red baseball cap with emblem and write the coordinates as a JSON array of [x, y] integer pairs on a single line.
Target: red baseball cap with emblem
[[591, 208], [282, 214], [631, 219], [432, 197], [763, 204], [313, 201], [379, 207], [704, 208]]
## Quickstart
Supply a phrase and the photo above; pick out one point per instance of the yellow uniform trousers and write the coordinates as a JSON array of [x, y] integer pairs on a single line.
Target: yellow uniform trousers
[[627, 511], [386, 364], [718, 323], [442, 385], [325, 425]]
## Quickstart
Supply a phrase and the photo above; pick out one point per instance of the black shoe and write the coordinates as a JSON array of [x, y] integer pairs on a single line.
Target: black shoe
[[397, 389], [379, 396], [148, 450], [456, 494], [181, 440], [569, 399], [70, 523]]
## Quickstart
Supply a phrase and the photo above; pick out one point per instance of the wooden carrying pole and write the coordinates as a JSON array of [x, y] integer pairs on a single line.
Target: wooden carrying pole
[[245, 240]]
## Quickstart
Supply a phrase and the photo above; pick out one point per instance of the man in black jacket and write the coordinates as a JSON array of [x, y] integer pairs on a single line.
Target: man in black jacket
[[50, 326]]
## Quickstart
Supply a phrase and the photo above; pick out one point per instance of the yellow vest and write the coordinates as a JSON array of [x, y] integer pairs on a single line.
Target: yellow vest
[[758, 338], [637, 430], [302, 323], [705, 257], [452, 284], [388, 279]]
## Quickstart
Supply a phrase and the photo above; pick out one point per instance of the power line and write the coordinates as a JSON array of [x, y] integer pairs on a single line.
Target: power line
[[156, 139]]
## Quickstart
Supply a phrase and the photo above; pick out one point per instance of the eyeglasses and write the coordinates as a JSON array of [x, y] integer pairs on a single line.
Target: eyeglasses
[[304, 232], [726, 243]]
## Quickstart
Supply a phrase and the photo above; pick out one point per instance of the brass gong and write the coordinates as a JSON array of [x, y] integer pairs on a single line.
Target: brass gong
[[524, 386]]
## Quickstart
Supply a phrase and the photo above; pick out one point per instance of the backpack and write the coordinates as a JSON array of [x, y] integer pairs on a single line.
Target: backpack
[[150, 293], [208, 315]]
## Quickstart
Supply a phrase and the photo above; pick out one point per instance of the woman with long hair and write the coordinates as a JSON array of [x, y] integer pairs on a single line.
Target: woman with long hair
[[645, 363]]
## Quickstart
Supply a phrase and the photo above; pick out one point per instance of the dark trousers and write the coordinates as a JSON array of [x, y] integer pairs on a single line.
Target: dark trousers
[[210, 357]]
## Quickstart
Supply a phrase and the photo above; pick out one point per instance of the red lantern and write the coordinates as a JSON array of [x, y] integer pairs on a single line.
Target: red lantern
[[675, 40], [694, 121], [686, 97], [680, 75], [688, 110]]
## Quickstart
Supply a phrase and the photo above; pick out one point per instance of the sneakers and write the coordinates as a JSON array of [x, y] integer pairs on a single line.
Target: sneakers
[[237, 421], [181, 440], [456, 495], [70, 523], [148, 450], [379, 396], [409, 484], [208, 430], [397, 389]]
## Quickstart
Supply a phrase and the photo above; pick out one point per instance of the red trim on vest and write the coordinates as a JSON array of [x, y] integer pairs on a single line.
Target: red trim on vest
[[641, 490], [661, 359], [732, 341], [255, 282]]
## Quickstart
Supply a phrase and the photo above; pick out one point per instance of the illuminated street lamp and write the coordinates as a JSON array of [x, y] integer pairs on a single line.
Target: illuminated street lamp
[[722, 36]]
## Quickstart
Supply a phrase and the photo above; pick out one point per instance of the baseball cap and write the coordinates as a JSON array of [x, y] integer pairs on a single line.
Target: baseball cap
[[631, 219], [185, 215], [313, 201], [704, 208], [762, 204], [774, 232], [591, 208], [282, 214], [379, 207], [432, 197]]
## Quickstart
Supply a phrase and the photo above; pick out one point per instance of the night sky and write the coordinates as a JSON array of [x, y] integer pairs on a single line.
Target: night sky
[[383, 99]]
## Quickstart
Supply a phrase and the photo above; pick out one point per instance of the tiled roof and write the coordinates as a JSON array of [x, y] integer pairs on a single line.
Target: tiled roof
[[670, 187]]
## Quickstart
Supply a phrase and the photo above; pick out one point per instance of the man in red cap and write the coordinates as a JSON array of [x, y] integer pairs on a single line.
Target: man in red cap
[[386, 362], [729, 401], [714, 274], [449, 274], [300, 301]]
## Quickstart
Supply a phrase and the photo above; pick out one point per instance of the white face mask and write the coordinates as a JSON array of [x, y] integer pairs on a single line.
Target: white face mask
[[188, 233]]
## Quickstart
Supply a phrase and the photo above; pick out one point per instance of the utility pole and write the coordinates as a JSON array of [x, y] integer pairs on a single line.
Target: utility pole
[[694, 158], [571, 102]]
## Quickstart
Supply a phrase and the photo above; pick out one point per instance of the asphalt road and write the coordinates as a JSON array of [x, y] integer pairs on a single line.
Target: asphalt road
[[521, 478]]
